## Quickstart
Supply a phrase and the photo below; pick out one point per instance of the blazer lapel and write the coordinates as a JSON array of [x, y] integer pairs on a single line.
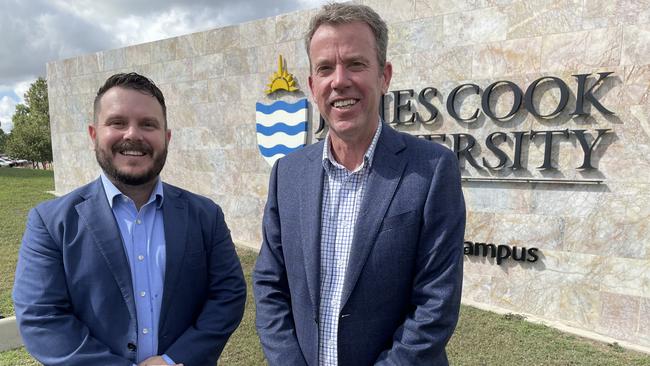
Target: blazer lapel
[[175, 217], [310, 220], [100, 222], [385, 174]]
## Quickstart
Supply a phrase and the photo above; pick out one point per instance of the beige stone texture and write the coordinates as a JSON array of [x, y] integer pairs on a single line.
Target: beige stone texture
[[592, 228], [414, 36], [636, 45], [223, 39], [478, 26], [393, 10], [607, 12], [533, 18], [507, 58], [191, 45], [257, 33], [619, 315]]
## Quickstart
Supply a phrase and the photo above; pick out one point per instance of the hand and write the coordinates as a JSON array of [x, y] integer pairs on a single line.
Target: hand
[[156, 361]]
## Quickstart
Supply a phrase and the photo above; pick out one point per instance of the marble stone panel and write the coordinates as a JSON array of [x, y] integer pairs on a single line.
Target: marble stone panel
[[225, 89], [89, 64], [164, 50], [191, 45], [223, 39], [513, 57], [444, 64], [579, 307], [626, 276], [113, 59], [239, 61], [563, 52], [177, 71], [636, 45], [257, 33], [478, 26], [477, 287], [290, 27], [393, 10], [432, 8], [636, 85], [619, 315], [622, 232], [191, 92], [599, 13], [534, 18], [414, 36], [138, 55], [644, 320]]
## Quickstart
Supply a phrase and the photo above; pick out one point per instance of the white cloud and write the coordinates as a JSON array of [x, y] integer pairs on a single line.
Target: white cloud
[[21, 87], [7, 108], [35, 32]]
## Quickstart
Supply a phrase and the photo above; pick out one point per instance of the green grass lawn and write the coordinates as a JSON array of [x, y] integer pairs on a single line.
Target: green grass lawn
[[20, 190], [481, 338]]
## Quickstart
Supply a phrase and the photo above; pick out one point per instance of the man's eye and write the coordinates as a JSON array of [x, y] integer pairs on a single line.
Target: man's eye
[[323, 69]]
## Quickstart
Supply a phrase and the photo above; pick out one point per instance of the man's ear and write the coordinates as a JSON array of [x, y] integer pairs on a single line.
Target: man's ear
[[92, 131], [387, 74]]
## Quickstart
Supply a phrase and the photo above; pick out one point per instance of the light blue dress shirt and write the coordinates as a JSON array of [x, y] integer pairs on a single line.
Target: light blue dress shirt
[[342, 195], [143, 235]]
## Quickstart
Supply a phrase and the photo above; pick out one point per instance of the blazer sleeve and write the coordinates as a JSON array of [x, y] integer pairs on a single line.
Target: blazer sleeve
[[274, 320], [50, 331], [224, 307], [436, 295]]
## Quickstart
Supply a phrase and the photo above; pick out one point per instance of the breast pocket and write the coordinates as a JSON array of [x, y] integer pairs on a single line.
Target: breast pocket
[[400, 220]]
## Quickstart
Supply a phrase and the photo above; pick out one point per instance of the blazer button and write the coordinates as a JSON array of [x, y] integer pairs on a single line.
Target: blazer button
[[132, 347]]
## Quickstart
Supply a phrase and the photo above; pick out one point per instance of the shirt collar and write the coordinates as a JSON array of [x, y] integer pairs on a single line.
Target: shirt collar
[[112, 191], [329, 160]]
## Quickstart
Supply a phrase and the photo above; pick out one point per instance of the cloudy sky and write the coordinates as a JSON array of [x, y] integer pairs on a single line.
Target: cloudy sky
[[37, 31]]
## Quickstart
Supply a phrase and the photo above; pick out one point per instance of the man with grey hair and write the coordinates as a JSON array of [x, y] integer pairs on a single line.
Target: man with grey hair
[[361, 259]]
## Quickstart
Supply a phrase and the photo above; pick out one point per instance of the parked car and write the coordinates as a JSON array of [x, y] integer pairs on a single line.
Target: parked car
[[20, 162], [6, 163]]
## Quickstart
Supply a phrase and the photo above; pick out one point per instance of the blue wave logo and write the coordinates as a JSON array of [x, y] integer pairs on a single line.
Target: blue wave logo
[[281, 128]]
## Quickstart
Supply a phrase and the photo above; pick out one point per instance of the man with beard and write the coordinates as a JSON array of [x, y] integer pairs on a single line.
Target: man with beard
[[127, 269]]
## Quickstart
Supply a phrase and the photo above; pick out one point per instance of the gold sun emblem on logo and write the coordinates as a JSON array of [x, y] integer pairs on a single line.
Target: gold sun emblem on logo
[[281, 79]]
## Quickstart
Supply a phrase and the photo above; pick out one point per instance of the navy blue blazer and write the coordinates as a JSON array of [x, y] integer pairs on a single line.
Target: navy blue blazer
[[74, 296], [401, 295]]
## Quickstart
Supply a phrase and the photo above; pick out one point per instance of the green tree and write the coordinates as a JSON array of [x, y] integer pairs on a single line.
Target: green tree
[[30, 138], [3, 140]]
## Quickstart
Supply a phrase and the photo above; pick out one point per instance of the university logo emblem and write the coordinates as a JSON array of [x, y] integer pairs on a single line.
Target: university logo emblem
[[281, 126]]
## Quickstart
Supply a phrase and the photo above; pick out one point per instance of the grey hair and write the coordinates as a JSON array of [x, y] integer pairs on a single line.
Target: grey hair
[[336, 13]]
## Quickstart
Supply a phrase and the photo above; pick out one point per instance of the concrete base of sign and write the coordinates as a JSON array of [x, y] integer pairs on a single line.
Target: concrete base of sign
[[9, 337], [562, 327]]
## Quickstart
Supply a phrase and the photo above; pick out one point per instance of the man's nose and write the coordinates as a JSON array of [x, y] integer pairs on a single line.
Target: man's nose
[[341, 77], [133, 133]]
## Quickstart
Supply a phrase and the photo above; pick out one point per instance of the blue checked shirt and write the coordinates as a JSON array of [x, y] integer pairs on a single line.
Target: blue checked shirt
[[143, 235], [342, 195]]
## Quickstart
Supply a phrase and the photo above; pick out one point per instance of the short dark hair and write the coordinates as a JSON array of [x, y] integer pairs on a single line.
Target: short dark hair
[[132, 81], [337, 14]]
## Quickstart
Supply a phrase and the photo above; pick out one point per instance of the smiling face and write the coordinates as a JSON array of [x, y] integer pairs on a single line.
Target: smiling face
[[130, 136], [346, 79]]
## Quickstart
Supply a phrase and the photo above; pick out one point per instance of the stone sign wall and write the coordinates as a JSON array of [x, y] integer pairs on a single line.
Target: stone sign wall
[[589, 225]]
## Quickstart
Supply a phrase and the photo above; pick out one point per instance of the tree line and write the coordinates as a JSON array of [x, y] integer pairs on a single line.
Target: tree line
[[30, 137]]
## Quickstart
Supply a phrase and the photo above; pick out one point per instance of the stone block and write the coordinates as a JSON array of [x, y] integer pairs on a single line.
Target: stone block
[[472, 27]]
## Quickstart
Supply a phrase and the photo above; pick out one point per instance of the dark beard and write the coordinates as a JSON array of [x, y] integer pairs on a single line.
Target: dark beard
[[106, 163]]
